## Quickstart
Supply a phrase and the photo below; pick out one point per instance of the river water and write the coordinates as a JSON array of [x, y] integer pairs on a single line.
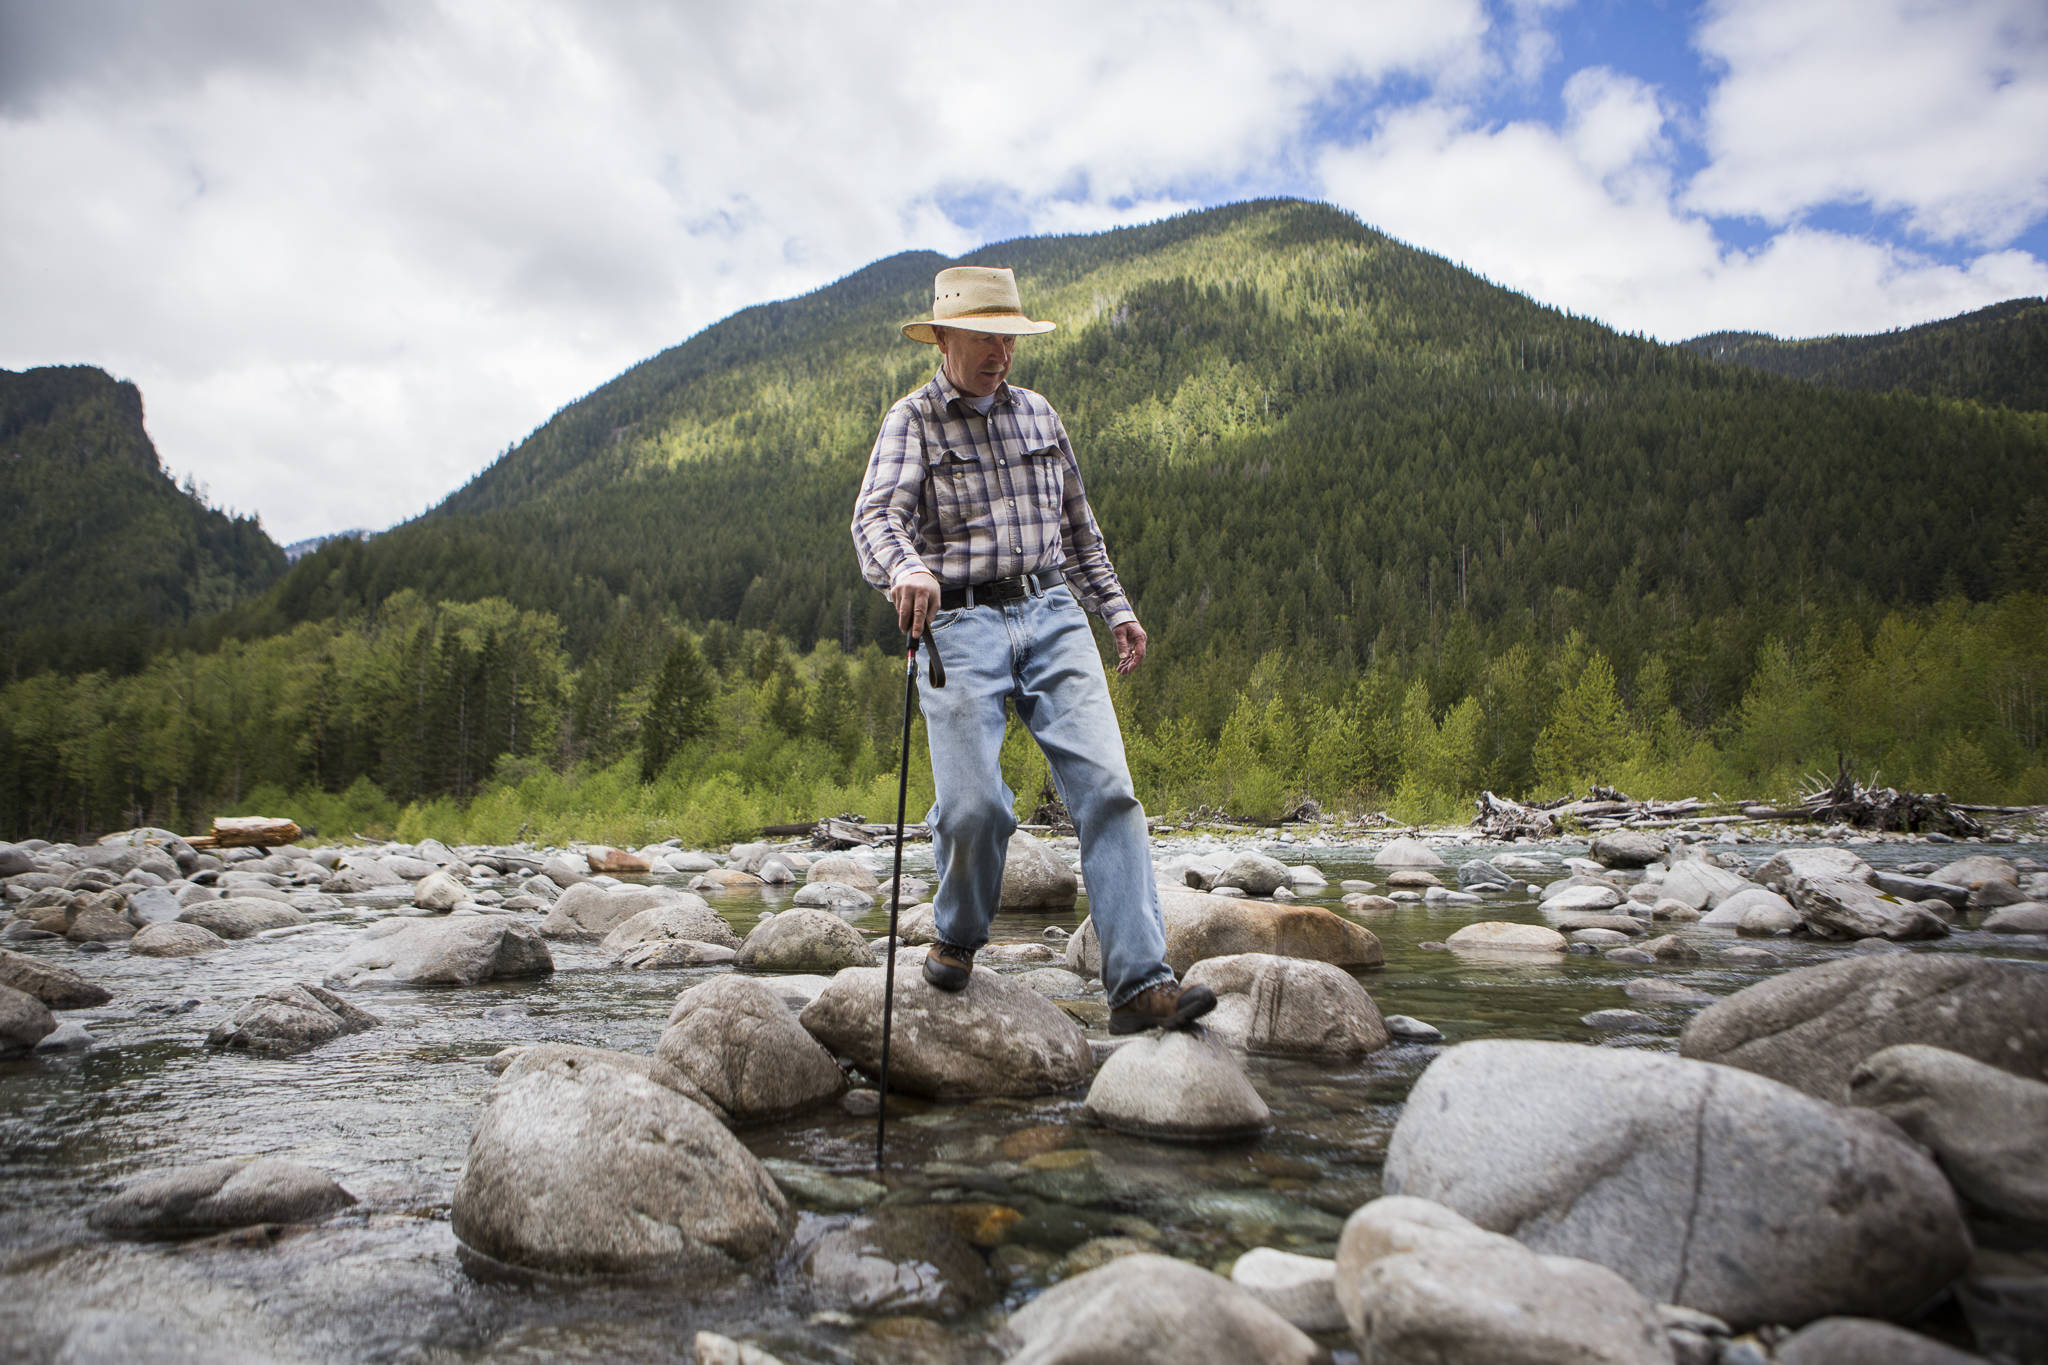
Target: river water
[[1017, 1194]]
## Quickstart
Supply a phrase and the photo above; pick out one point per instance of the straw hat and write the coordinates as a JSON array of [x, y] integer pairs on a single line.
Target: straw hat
[[975, 298]]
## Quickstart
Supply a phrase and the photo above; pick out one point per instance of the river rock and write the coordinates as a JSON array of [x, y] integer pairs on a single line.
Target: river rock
[[1035, 877], [1627, 848], [606, 1171], [1255, 874], [588, 911], [2028, 917], [898, 1260], [1810, 1028], [360, 874], [1179, 1084], [993, 1038], [1290, 1006], [24, 1021], [845, 870], [1970, 873], [669, 954], [804, 940], [1992, 894], [1983, 1125], [1420, 1285], [1153, 1310], [1656, 991], [681, 916], [462, 950], [1728, 914], [59, 988], [1863, 1341], [739, 1043], [605, 858], [1832, 907], [1366, 903], [1498, 936], [151, 905], [1793, 863], [240, 916], [234, 1192], [1920, 889], [836, 897], [1652, 1165], [174, 940], [1407, 853], [15, 860], [570, 1060], [1200, 926], [289, 1019], [1302, 1289], [1699, 884], [1581, 900], [1627, 925], [99, 918], [439, 891]]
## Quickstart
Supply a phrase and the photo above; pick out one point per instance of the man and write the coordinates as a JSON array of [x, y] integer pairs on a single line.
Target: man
[[973, 520]]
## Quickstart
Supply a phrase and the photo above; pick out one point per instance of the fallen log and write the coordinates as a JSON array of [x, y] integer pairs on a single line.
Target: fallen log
[[247, 831]]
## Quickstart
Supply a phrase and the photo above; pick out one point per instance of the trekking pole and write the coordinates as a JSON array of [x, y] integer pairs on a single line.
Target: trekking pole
[[938, 677]]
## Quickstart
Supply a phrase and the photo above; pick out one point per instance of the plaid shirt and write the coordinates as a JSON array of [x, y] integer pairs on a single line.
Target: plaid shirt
[[968, 498]]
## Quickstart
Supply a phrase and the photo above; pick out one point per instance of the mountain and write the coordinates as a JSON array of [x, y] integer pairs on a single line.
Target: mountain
[[1996, 355], [103, 548], [299, 549]]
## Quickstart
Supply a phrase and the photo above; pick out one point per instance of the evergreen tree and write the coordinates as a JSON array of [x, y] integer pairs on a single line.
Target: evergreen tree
[[1588, 737], [679, 709]]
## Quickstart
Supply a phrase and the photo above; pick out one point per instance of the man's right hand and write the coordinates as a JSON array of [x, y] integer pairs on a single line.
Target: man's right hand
[[917, 601]]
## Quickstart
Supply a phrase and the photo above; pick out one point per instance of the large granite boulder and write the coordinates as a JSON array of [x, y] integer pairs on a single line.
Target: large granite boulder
[[1862, 1341], [1627, 848], [739, 1043], [361, 874], [1255, 874], [1290, 1006], [25, 1021], [60, 988], [1984, 1125], [1972, 872], [1701, 1185], [588, 911], [99, 918], [686, 919], [1153, 1310], [1182, 1084], [569, 1059], [1833, 907], [1421, 1285], [804, 940], [601, 1170], [844, 869], [996, 1037], [1701, 885], [1406, 852], [1302, 1289], [1488, 937], [288, 1019], [439, 890], [462, 950], [2028, 917], [1200, 926], [234, 1192], [1812, 1027], [1772, 908], [1580, 896], [1792, 864], [239, 916], [1035, 877]]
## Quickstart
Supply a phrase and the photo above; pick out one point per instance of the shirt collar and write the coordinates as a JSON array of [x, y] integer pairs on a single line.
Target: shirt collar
[[950, 395]]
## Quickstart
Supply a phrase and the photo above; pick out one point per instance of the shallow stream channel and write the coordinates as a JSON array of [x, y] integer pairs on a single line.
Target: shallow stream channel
[[996, 1199]]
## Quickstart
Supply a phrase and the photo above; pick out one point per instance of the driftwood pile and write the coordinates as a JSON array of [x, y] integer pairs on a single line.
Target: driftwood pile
[[1604, 808], [1846, 801]]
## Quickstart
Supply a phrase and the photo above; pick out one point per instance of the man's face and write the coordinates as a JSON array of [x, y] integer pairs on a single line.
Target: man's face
[[976, 362]]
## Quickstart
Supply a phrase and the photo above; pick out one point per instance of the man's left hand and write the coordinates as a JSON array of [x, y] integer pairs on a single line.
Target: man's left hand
[[1130, 646]]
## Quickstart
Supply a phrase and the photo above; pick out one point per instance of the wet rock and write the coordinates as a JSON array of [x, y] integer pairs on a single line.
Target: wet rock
[[239, 917], [669, 954], [1839, 909], [900, 1260], [1035, 877], [1412, 1030], [1479, 874], [2028, 917], [439, 891], [993, 1038], [604, 858], [68, 1036], [1983, 1125], [1657, 991], [1615, 1020], [1414, 878], [1728, 914], [1365, 903], [570, 1060], [1255, 874], [1582, 899], [1301, 1289], [1970, 873], [289, 1019], [1182, 1084], [1908, 888], [813, 1188], [1670, 948], [24, 1022], [1627, 925], [462, 950], [1290, 1006], [606, 1171], [234, 1192], [710, 1348], [681, 916], [1991, 894], [1810, 1028], [1700, 885], [1599, 938], [1202, 926], [15, 860], [1627, 848], [1152, 1310], [836, 897], [589, 911], [739, 1043], [845, 871], [151, 905], [1651, 1165], [1054, 983], [100, 918], [1407, 853], [60, 988], [1787, 867], [1499, 936], [565, 873], [360, 874], [804, 940], [1420, 1285], [1862, 1341]]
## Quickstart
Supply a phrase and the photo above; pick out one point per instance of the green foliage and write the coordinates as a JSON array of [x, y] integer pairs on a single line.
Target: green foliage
[[679, 709]]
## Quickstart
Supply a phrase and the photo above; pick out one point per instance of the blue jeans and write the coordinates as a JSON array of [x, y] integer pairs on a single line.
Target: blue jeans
[[1038, 655]]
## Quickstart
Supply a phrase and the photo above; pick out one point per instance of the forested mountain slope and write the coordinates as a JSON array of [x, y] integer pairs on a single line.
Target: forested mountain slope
[[1996, 355], [101, 546]]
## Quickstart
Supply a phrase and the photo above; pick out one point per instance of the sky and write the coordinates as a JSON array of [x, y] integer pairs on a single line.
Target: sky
[[352, 251]]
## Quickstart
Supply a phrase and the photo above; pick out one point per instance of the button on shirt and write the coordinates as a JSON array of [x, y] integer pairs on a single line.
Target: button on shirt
[[969, 499]]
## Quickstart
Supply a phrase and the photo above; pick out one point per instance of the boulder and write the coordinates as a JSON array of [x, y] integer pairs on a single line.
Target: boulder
[[1832, 907], [1302, 1289], [837, 897], [1581, 900], [235, 1192], [2028, 917], [151, 905], [1970, 873], [240, 916], [99, 918], [570, 1060], [1701, 1185], [600, 1170], [1863, 1341], [1290, 1006], [1153, 1310], [1406, 853], [588, 911], [1479, 874], [360, 874], [15, 860], [1700, 885], [1255, 874], [993, 1038], [462, 950], [1728, 914], [683, 917], [1200, 926], [566, 873], [1414, 878], [1983, 1125], [1810, 1028], [845, 870], [1627, 848], [174, 940], [1181, 1084], [804, 940], [665, 954], [604, 858], [1787, 867], [1498, 936], [439, 891], [1420, 1285], [289, 1019], [59, 988], [24, 1022], [735, 1039], [1035, 877], [1920, 889]]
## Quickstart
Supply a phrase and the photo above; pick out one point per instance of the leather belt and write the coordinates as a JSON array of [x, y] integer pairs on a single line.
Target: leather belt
[[996, 592]]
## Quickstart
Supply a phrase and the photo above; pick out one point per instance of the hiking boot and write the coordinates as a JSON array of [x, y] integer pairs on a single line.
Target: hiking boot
[[947, 967], [1169, 1005]]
